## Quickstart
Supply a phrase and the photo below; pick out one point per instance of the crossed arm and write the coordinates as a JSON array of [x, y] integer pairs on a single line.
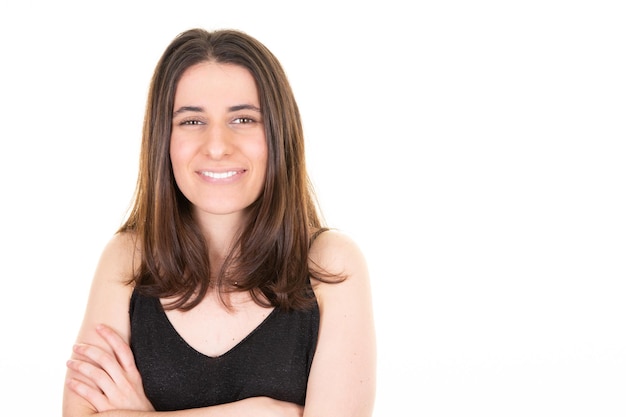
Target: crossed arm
[[102, 379]]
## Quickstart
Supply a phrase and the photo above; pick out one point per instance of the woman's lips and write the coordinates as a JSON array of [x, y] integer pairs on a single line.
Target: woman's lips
[[219, 175]]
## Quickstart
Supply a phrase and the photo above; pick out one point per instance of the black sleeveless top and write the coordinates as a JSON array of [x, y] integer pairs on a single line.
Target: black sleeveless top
[[274, 360]]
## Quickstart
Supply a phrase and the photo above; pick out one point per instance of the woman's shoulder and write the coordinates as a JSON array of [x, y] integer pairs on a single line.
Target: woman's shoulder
[[122, 241], [111, 289], [337, 253], [120, 257], [346, 349]]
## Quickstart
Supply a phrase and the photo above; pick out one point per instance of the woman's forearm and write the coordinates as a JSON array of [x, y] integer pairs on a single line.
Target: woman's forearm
[[253, 407]]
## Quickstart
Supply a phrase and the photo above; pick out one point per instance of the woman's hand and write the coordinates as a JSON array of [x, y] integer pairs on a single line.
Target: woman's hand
[[109, 381]]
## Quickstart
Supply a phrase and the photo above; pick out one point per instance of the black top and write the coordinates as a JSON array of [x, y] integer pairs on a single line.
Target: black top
[[274, 360]]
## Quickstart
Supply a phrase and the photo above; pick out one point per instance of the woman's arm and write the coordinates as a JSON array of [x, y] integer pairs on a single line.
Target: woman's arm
[[115, 387], [342, 382], [108, 304], [102, 379]]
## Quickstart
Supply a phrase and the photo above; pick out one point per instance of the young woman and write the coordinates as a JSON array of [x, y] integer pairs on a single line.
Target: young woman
[[223, 294]]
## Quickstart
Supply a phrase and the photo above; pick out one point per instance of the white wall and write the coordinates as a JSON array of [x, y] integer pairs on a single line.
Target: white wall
[[475, 150]]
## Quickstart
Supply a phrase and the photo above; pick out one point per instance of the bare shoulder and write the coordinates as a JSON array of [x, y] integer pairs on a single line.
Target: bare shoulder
[[120, 258], [110, 293], [343, 375], [337, 253]]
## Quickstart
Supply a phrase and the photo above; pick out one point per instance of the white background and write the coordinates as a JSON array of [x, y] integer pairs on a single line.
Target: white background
[[474, 149]]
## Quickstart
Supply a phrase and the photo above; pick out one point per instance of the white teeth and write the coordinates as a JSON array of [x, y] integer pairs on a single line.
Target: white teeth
[[218, 175]]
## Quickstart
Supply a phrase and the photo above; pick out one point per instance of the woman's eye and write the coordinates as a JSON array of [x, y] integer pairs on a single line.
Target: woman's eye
[[191, 122], [243, 120]]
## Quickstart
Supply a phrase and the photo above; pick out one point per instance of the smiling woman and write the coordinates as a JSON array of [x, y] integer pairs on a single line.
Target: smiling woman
[[223, 293], [218, 146]]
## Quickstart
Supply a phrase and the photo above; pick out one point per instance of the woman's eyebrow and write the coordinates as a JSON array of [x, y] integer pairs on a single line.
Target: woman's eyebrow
[[197, 109], [244, 107], [185, 109]]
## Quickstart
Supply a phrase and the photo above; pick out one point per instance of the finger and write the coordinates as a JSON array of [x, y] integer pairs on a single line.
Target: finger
[[92, 395], [121, 349], [73, 373], [121, 367], [91, 375], [101, 360]]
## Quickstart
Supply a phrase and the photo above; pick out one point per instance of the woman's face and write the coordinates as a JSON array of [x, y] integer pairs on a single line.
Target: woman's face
[[218, 147]]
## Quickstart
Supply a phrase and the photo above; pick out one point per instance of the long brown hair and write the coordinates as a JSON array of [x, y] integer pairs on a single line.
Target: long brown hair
[[270, 254]]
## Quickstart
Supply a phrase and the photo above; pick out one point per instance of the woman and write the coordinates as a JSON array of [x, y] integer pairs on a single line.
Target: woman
[[223, 294]]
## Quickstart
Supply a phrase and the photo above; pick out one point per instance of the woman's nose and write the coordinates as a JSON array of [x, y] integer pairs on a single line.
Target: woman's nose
[[217, 141]]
